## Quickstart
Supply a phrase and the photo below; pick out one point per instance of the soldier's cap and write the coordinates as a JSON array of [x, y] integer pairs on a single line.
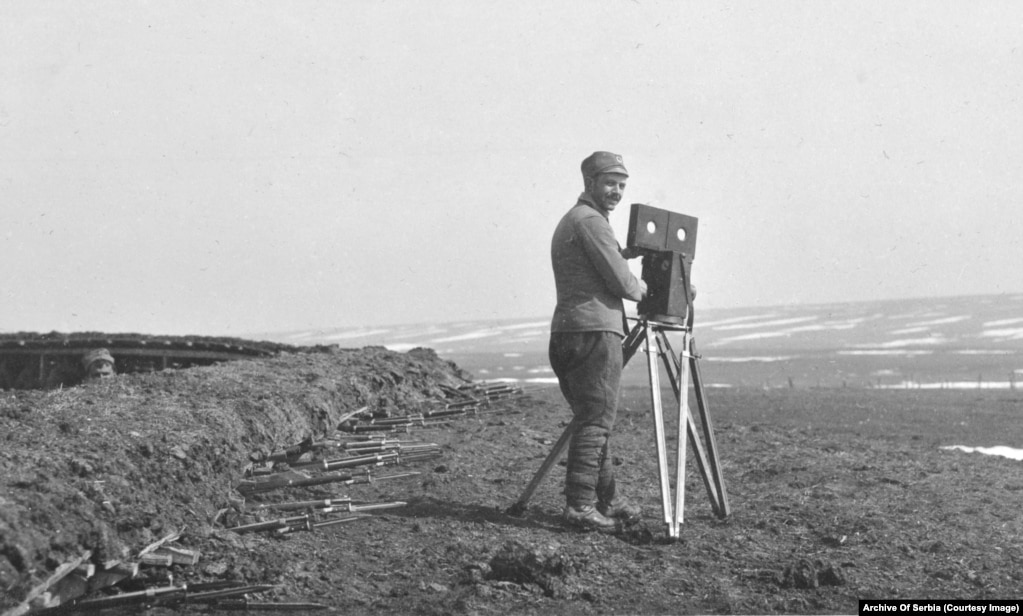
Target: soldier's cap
[[96, 355], [603, 162]]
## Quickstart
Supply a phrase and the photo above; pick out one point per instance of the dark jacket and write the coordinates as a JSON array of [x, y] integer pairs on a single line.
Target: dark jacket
[[590, 273]]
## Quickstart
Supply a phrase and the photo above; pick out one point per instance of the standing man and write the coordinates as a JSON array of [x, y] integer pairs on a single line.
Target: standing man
[[592, 278]]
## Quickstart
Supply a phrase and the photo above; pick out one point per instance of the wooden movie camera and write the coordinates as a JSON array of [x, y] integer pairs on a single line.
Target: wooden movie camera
[[667, 241]]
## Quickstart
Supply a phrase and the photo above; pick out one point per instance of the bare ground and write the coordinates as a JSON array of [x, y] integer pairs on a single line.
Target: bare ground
[[836, 494]]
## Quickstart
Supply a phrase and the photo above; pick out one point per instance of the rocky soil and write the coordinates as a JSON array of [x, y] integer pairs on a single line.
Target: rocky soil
[[836, 495]]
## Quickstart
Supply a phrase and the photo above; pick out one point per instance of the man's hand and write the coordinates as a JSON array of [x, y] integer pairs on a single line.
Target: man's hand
[[631, 253], [642, 288]]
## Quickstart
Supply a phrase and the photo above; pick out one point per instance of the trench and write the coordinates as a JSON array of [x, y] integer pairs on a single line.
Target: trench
[[111, 466]]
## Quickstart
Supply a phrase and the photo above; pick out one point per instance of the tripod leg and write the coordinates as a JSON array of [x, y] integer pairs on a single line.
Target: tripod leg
[[673, 364], [683, 424], [679, 385], [632, 342], [658, 416], [723, 510], [556, 452]]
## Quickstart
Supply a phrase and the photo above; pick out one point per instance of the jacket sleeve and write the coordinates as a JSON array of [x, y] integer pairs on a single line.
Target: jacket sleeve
[[599, 242]]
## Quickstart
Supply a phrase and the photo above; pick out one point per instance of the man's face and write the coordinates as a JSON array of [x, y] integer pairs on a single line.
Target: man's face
[[100, 369], [606, 190]]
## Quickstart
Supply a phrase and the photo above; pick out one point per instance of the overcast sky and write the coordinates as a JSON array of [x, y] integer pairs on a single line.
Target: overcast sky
[[223, 168]]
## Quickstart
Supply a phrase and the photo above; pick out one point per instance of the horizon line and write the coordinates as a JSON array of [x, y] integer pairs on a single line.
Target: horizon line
[[1010, 295]]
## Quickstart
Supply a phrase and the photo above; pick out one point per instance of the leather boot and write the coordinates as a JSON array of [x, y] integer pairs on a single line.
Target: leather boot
[[587, 517]]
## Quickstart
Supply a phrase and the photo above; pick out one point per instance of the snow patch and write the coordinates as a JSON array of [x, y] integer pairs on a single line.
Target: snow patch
[[997, 450]]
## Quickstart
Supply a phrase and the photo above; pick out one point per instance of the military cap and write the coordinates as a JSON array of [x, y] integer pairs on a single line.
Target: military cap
[[96, 355], [603, 162]]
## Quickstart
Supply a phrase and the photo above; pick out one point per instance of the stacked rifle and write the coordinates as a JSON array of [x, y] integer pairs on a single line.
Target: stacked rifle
[[310, 515], [214, 595], [64, 591], [361, 444], [470, 400], [333, 462], [311, 521], [311, 463]]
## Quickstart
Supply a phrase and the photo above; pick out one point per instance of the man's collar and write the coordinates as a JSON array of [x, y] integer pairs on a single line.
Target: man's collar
[[586, 199]]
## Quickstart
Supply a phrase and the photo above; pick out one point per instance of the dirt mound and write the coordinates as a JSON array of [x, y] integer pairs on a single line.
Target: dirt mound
[[111, 466]]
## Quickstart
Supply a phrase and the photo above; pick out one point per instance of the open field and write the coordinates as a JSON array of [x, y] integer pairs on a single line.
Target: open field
[[952, 343], [836, 495]]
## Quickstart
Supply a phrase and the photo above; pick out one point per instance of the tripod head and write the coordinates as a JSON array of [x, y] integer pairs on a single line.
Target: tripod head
[[667, 241]]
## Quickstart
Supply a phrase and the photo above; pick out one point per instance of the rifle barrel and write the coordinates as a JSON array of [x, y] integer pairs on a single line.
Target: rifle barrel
[[376, 460], [336, 521], [129, 598], [377, 506], [268, 525], [217, 595], [326, 502], [246, 605]]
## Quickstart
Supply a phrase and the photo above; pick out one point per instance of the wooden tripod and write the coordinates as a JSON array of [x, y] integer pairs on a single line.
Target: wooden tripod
[[680, 369], [652, 333]]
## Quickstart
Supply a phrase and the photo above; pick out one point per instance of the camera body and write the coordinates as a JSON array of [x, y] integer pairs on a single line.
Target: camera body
[[667, 241]]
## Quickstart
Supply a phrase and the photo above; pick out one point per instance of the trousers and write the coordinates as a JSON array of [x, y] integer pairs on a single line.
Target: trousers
[[589, 370]]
